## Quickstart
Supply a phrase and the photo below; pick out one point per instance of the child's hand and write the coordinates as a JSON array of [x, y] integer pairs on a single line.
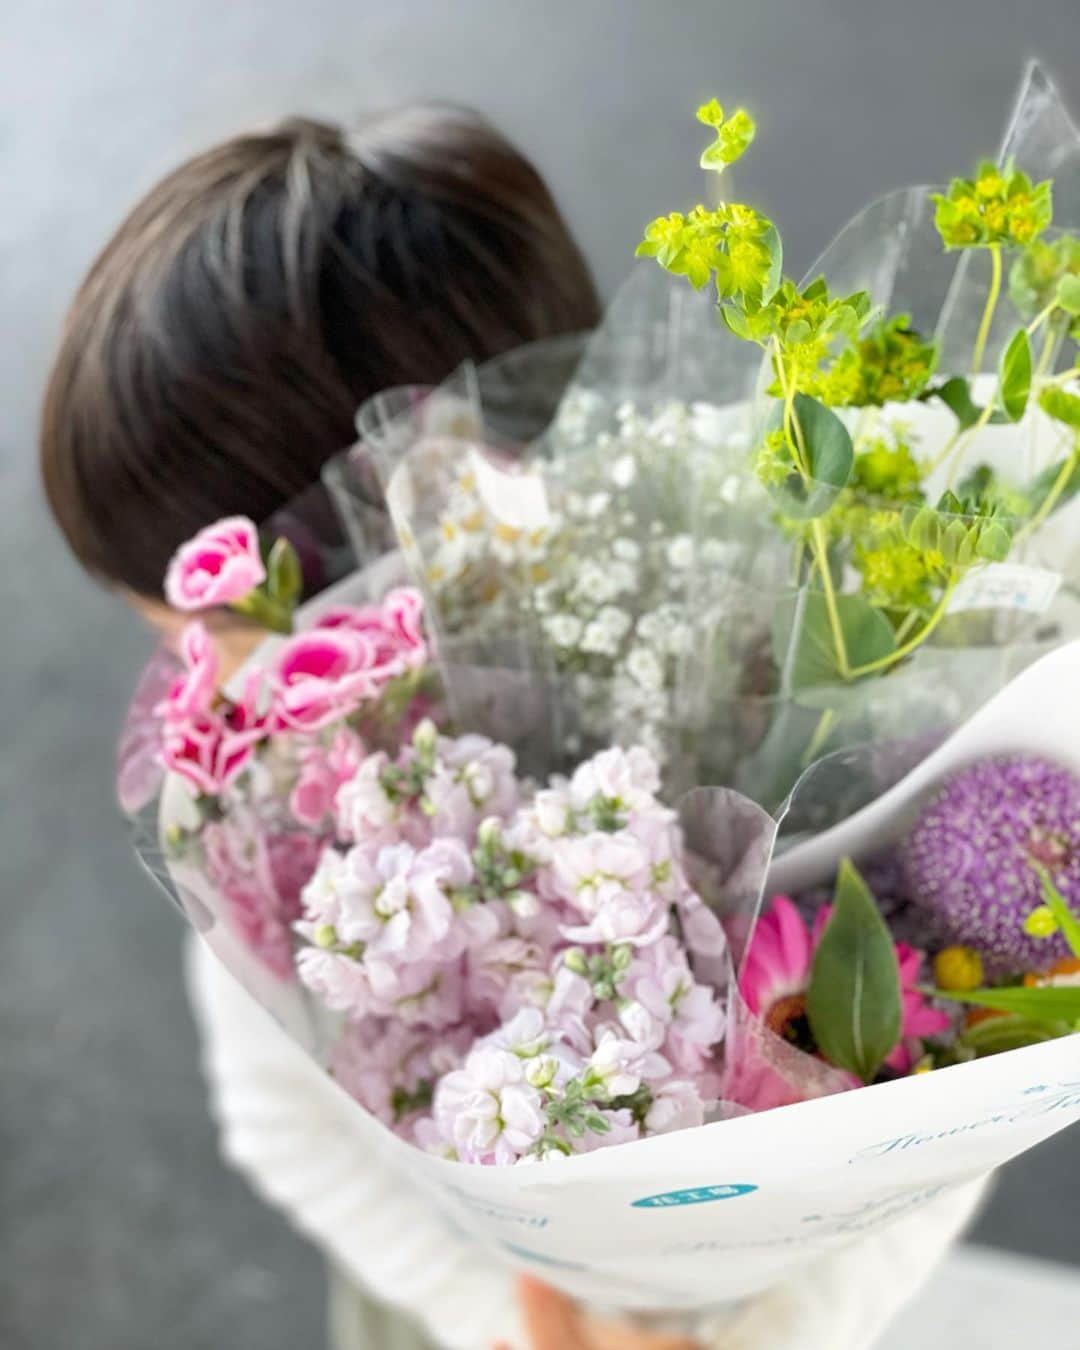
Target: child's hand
[[554, 1322]]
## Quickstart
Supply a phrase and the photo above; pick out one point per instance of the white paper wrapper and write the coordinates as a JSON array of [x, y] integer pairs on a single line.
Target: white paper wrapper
[[704, 1216]]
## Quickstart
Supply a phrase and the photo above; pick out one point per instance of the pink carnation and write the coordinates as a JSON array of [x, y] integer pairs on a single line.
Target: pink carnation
[[220, 565], [321, 676], [394, 628], [211, 750], [192, 694]]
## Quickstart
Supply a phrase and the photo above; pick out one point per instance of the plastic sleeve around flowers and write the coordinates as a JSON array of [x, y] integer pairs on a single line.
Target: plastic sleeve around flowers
[[288, 1129]]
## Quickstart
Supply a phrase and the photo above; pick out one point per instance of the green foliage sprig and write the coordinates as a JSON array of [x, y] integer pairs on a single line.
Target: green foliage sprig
[[858, 500]]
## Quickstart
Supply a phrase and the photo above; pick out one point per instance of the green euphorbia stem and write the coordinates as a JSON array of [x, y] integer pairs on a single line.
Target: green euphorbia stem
[[1064, 474], [820, 736], [1050, 341], [906, 648], [988, 313], [819, 543], [821, 555], [1040, 318], [969, 435]]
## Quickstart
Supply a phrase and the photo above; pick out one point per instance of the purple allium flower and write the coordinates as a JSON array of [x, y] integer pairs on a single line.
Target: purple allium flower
[[970, 857]]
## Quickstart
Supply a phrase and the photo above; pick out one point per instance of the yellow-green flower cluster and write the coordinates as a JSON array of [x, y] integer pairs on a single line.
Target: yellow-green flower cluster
[[888, 469], [999, 207], [890, 364], [733, 243], [1034, 278], [733, 135]]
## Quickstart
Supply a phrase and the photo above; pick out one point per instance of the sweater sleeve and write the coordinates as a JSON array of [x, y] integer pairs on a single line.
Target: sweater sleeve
[[287, 1128], [846, 1300]]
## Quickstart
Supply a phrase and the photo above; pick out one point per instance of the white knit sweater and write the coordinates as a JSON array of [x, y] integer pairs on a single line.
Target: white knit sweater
[[287, 1126]]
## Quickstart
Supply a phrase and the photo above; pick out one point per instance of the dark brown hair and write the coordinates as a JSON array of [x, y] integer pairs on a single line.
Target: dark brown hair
[[216, 353]]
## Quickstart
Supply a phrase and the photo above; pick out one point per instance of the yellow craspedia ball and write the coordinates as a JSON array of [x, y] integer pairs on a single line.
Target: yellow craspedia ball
[[958, 969]]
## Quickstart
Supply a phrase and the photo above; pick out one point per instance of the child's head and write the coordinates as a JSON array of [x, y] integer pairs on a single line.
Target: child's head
[[216, 353]]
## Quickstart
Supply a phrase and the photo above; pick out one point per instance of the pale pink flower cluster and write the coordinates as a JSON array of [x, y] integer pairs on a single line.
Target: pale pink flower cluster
[[514, 964]]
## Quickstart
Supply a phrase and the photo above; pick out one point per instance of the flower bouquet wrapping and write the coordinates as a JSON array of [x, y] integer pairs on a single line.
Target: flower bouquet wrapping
[[622, 802]]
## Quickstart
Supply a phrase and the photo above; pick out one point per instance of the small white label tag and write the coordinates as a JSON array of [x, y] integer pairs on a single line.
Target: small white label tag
[[516, 498], [1006, 586]]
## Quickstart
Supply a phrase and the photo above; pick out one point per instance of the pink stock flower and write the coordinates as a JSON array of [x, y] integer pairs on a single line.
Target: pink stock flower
[[193, 693], [620, 1064], [220, 565], [676, 1105], [776, 975], [663, 983], [323, 771], [211, 750], [487, 1109], [391, 1068], [320, 676], [607, 878], [627, 779], [473, 779]]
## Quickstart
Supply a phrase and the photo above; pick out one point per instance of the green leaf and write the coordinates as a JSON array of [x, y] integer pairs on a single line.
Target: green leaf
[[1068, 294], [868, 637], [1061, 406], [769, 240], [1014, 375], [854, 999], [826, 443], [733, 136], [995, 1035], [1058, 906], [956, 395], [284, 576], [994, 543], [1043, 483], [1040, 1003], [735, 320]]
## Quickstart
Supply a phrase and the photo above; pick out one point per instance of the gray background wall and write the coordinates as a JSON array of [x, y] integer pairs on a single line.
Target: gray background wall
[[118, 1226]]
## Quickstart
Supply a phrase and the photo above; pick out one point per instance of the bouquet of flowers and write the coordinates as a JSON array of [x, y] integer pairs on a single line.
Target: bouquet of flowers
[[545, 825]]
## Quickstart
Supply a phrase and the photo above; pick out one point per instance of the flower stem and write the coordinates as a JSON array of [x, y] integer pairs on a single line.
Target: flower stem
[[267, 613], [905, 649], [821, 557], [967, 436], [988, 313], [1059, 485], [1050, 340], [819, 543], [1040, 318]]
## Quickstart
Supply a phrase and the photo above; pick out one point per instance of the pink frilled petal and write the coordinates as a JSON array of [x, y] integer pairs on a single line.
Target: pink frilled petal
[[220, 565], [404, 612], [777, 962], [394, 629], [321, 676], [193, 693]]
